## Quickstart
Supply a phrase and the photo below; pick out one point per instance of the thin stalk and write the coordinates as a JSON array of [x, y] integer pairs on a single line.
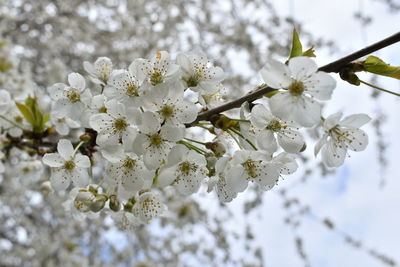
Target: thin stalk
[[234, 138], [380, 88], [247, 140], [195, 141], [77, 147]]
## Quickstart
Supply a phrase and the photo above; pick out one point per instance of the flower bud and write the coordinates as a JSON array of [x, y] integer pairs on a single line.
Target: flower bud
[[98, 203], [46, 188], [85, 137], [217, 147], [83, 201], [114, 204]]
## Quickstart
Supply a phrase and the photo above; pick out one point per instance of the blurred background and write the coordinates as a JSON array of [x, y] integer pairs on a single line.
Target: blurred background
[[317, 217]]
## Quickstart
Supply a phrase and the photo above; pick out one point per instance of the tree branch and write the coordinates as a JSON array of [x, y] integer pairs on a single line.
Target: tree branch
[[334, 66]]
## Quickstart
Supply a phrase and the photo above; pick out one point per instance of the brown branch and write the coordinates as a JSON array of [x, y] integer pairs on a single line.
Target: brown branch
[[334, 66]]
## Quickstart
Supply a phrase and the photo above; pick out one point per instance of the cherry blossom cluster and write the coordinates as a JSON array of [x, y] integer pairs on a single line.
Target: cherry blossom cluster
[[137, 129]]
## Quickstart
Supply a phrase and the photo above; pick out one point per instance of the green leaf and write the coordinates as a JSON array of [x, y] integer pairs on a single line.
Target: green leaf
[[271, 94], [33, 115], [26, 112], [297, 48], [309, 52], [46, 118], [378, 66]]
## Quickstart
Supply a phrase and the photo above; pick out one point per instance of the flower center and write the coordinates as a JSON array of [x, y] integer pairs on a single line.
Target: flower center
[[129, 163], [296, 88], [155, 140], [274, 126], [103, 110], [167, 111], [120, 125], [193, 81], [250, 168], [186, 168], [156, 77], [69, 165], [73, 95], [131, 90]]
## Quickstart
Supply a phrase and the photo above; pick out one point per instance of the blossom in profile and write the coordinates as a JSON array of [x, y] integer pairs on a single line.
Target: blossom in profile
[[198, 73], [99, 71], [341, 135]]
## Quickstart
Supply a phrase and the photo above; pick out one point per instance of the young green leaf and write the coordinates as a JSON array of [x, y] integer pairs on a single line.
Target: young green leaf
[[309, 52], [378, 66], [297, 48], [26, 112]]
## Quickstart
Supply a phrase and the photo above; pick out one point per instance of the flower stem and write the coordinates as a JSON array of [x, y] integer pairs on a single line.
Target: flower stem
[[229, 131], [379, 88], [195, 141], [192, 147], [241, 135], [77, 147]]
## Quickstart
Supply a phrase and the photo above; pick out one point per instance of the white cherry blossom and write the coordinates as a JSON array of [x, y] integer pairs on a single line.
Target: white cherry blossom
[[63, 124], [114, 125], [67, 165], [274, 129], [252, 166], [70, 100], [100, 71], [129, 172], [186, 169], [157, 71], [155, 141], [224, 190], [198, 72], [170, 106], [302, 84], [341, 135], [124, 86], [148, 206]]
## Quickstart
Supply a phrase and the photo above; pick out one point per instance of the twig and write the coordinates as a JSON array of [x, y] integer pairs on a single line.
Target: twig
[[334, 66]]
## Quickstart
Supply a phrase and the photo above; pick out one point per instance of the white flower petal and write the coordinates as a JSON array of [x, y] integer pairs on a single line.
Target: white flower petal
[[290, 141], [275, 74], [172, 133], [167, 176], [355, 120], [82, 161], [53, 160], [320, 85], [65, 149], [266, 141], [79, 177], [282, 105], [76, 81], [306, 111], [321, 142], [333, 155], [236, 179], [302, 67], [60, 179]]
